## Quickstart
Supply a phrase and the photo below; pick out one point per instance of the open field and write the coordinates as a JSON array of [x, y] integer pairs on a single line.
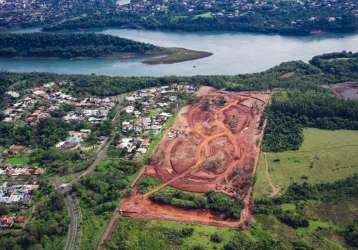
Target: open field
[[212, 146], [154, 234], [17, 160], [324, 156], [92, 227], [346, 90]]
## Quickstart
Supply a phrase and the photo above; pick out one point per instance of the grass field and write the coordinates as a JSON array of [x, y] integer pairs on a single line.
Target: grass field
[[152, 235], [166, 235], [324, 156], [319, 234], [18, 160], [92, 228]]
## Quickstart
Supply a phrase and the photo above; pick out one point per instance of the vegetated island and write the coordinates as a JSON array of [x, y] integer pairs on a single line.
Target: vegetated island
[[88, 46]]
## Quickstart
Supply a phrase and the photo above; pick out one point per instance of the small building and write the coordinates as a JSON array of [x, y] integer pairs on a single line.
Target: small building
[[6, 221], [16, 149], [129, 109]]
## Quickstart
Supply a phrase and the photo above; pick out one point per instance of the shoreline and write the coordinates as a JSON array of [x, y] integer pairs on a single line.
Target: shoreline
[[164, 56]]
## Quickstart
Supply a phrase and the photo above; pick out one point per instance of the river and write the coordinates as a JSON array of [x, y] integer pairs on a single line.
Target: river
[[234, 53]]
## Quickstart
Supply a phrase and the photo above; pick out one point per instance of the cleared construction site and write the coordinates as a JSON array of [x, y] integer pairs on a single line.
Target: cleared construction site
[[213, 145]]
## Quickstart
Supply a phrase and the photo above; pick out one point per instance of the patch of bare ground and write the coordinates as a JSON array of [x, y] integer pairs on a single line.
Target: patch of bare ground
[[346, 90]]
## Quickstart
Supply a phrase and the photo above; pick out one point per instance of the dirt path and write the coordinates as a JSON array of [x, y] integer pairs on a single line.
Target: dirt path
[[274, 189], [110, 228]]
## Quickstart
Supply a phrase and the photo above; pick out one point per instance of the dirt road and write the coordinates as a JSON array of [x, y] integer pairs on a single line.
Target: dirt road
[[274, 190]]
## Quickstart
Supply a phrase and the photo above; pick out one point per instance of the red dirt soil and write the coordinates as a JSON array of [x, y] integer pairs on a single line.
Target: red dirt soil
[[216, 148]]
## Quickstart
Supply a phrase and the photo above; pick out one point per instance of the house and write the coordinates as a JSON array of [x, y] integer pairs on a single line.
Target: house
[[20, 219], [16, 149], [142, 150], [83, 134], [38, 171], [127, 143], [129, 109], [6, 221], [130, 98], [13, 94], [40, 93]]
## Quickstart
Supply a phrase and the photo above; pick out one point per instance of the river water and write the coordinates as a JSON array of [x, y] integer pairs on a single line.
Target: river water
[[234, 53]]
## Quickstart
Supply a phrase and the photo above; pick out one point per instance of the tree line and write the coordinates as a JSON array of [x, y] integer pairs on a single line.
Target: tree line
[[292, 110], [217, 202]]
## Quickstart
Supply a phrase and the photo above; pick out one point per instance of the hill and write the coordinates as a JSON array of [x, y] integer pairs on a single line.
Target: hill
[[86, 45]]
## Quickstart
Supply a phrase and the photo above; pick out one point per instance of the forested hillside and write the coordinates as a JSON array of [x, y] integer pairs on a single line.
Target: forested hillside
[[67, 45]]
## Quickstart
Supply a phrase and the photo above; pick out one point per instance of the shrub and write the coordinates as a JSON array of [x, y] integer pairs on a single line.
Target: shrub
[[188, 231], [221, 203], [216, 238]]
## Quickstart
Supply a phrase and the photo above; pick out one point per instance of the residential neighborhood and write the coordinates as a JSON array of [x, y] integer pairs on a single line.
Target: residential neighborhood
[[39, 102], [329, 11], [145, 114]]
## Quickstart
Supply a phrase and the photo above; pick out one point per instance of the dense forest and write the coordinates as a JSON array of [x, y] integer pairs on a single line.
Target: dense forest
[[46, 134], [67, 45], [342, 64]]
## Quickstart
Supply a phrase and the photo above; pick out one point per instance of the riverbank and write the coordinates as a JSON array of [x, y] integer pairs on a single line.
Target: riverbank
[[164, 56]]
